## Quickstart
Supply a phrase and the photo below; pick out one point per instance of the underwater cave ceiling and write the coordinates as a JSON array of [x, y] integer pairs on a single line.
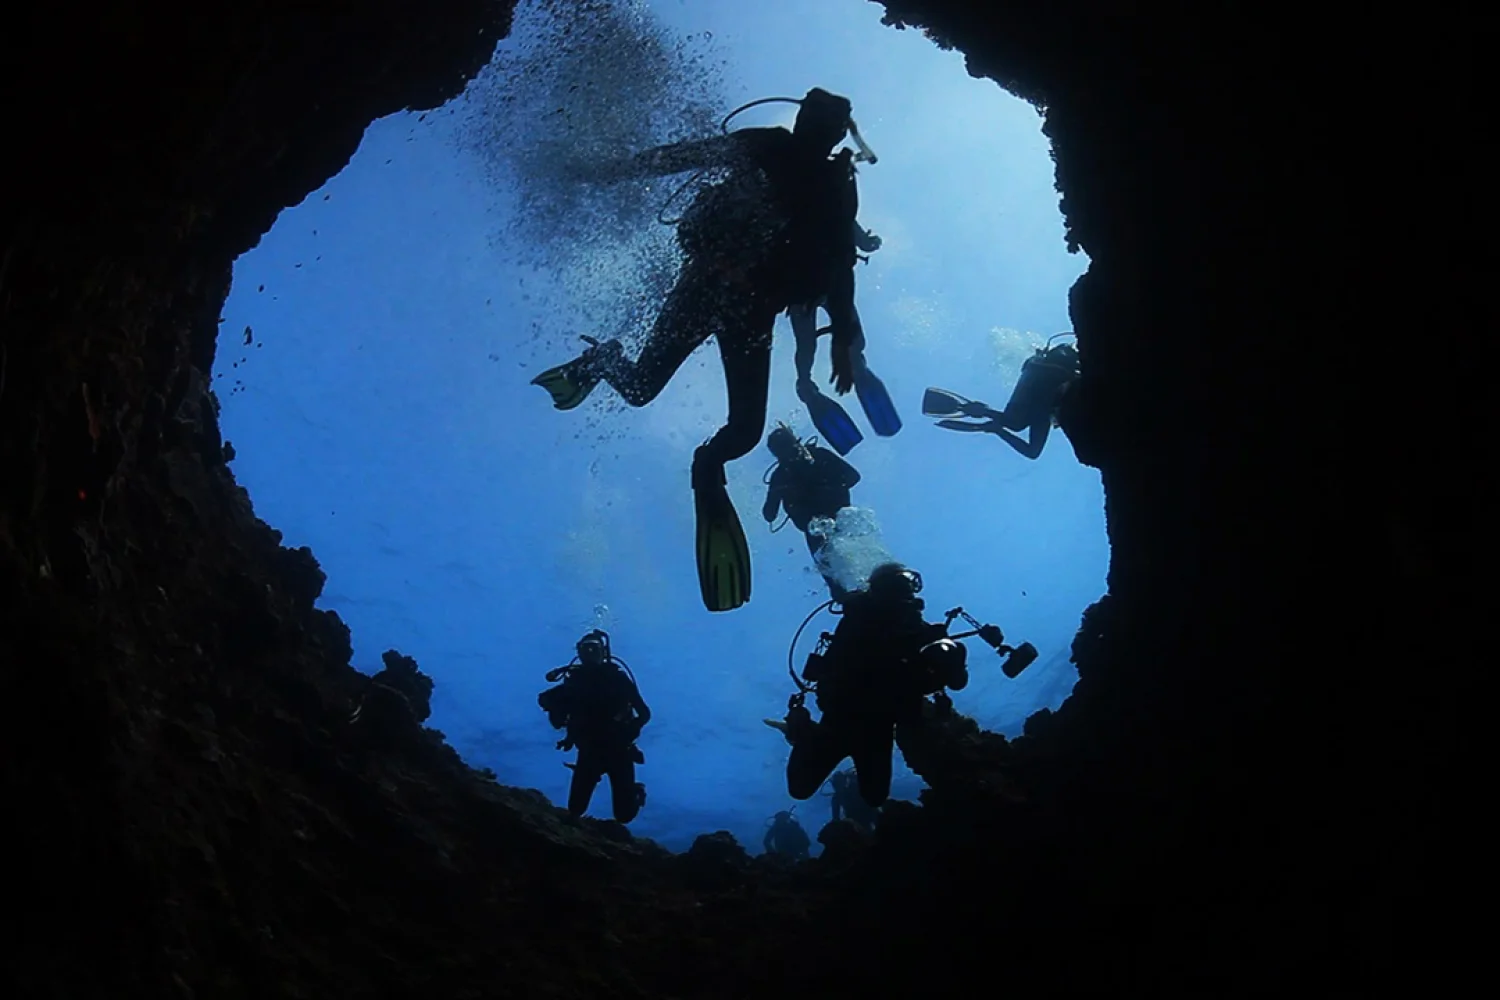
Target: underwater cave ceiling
[[193, 822]]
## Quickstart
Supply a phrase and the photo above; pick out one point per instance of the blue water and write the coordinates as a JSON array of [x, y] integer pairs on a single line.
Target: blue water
[[382, 415]]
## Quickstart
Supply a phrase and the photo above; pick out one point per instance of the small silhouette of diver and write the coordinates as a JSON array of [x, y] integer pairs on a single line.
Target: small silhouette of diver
[[831, 419], [1033, 404], [601, 707], [786, 838], [870, 681], [777, 231], [808, 481]]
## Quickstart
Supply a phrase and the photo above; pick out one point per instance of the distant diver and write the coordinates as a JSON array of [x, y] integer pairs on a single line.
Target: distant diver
[[601, 707], [807, 481], [396, 700], [871, 678], [786, 838], [832, 420], [776, 231], [1045, 378]]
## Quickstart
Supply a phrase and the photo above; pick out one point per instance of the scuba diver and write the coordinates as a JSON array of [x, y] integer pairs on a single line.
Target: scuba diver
[[602, 709], [786, 838], [807, 481], [831, 419], [1045, 378], [871, 678], [776, 231], [846, 801]]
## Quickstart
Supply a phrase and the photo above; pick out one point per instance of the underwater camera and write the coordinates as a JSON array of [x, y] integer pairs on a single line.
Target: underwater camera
[[1017, 658]]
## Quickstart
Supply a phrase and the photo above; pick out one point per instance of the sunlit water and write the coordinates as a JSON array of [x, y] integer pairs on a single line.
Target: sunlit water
[[382, 413]]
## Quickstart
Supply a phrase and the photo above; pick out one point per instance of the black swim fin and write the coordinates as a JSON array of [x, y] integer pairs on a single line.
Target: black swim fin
[[723, 553], [942, 403], [833, 422], [959, 425], [879, 410]]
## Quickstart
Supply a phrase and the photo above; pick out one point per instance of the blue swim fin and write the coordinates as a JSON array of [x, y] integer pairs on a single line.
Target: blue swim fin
[[881, 412], [835, 425]]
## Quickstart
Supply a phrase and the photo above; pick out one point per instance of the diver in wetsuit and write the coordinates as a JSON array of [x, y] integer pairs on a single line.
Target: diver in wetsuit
[[832, 420], [1033, 404], [777, 231], [808, 481], [786, 838], [601, 707], [870, 684]]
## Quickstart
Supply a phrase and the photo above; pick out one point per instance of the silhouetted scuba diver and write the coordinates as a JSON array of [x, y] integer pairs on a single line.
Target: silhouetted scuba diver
[[1033, 404], [776, 231], [870, 678], [601, 707], [807, 481], [831, 419], [846, 802], [785, 837]]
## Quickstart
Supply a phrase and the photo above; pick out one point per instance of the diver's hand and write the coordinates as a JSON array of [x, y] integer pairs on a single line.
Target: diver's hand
[[843, 368]]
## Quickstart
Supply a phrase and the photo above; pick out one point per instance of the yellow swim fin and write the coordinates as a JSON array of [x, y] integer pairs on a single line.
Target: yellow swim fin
[[569, 384], [723, 553]]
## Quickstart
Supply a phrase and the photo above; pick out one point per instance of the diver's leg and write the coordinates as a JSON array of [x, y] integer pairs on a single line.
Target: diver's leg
[[857, 363], [872, 764], [680, 327], [812, 760], [586, 774], [1012, 418], [921, 743], [745, 350], [622, 788], [805, 332], [1038, 438]]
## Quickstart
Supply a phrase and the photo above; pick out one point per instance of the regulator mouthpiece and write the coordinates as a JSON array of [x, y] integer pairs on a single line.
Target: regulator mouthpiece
[[865, 154]]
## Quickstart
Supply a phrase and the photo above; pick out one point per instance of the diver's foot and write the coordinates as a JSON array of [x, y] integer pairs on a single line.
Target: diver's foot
[[570, 383], [723, 554]]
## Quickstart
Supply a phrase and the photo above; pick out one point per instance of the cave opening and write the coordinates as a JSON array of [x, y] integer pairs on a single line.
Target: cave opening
[[377, 344]]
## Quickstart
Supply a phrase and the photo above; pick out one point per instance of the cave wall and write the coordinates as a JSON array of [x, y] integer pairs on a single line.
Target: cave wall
[[1251, 776], [1256, 196]]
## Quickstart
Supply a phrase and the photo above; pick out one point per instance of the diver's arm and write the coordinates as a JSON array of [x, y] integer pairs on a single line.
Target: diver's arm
[[680, 157], [772, 508], [642, 710], [766, 844], [1031, 449], [844, 323]]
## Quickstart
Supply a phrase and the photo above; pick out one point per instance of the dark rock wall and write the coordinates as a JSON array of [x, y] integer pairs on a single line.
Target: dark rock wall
[[1248, 786], [1273, 285]]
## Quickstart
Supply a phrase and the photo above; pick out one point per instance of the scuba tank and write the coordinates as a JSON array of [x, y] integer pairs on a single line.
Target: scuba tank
[[1042, 378]]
